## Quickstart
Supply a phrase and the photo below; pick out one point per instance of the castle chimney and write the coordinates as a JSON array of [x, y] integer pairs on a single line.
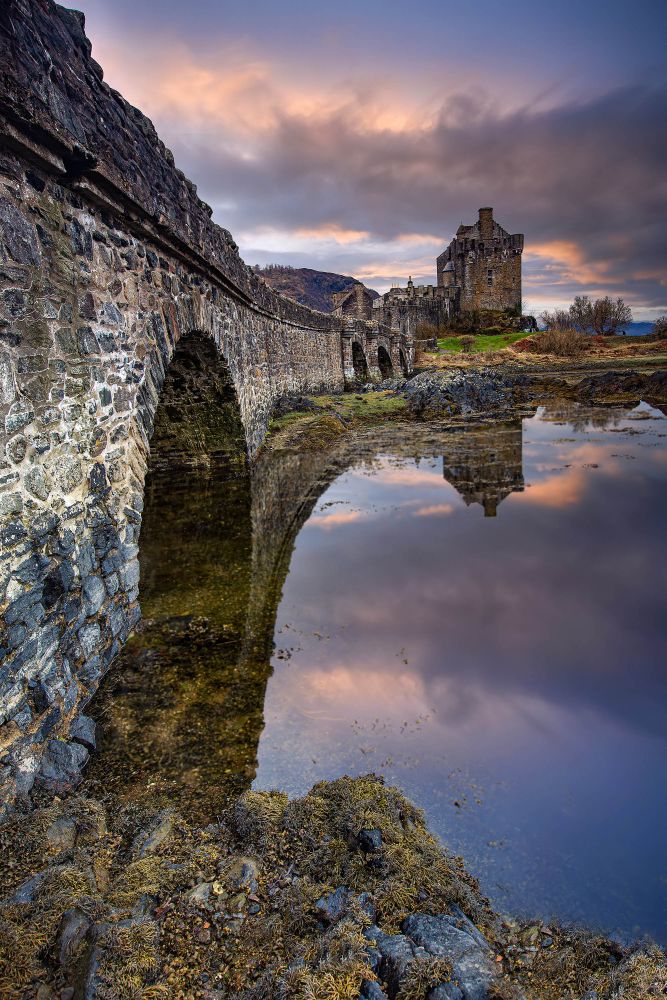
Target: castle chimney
[[486, 223]]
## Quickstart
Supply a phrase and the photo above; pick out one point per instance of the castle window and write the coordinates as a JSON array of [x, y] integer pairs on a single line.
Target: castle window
[[489, 277]]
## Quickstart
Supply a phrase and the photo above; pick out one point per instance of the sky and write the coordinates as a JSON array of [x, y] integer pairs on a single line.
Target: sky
[[356, 137]]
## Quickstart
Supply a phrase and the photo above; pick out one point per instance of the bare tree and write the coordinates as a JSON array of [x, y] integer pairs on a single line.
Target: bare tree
[[659, 331], [580, 314], [557, 319], [608, 316]]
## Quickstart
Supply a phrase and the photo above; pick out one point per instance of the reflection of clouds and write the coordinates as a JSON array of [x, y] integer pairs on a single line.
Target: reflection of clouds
[[435, 509], [337, 518], [558, 490], [550, 602], [408, 476]]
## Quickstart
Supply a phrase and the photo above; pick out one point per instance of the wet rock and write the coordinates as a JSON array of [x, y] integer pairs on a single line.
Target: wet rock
[[243, 875], [334, 905], [370, 990], [147, 842], [434, 394], [455, 938], [369, 840], [72, 934], [396, 951], [61, 835]]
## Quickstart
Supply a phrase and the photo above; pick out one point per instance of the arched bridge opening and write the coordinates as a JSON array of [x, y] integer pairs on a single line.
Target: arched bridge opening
[[359, 362], [384, 362], [198, 418], [405, 368]]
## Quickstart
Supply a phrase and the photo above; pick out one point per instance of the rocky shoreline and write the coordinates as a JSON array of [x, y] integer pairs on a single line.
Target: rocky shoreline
[[340, 895]]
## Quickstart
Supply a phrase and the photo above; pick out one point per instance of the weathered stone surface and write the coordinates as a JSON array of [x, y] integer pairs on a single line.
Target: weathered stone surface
[[61, 765], [82, 731], [457, 939]]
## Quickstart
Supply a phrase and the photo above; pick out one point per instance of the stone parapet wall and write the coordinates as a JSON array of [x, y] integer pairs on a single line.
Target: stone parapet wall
[[54, 100]]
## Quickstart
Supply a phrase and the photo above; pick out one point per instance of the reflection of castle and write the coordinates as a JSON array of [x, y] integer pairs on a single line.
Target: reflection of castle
[[485, 464]]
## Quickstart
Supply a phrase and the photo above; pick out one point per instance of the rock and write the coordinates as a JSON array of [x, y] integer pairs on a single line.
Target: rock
[[18, 235], [456, 939], [243, 875], [369, 840], [396, 951], [82, 731], [62, 765], [433, 394], [201, 894], [446, 991], [147, 842], [94, 593], [61, 835], [371, 991], [334, 905], [365, 901], [72, 933]]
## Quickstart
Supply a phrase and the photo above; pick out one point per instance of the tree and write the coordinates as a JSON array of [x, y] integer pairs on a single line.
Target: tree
[[558, 319], [659, 331], [580, 314], [609, 315]]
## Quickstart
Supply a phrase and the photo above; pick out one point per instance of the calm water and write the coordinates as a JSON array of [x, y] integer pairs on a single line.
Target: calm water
[[478, 615]]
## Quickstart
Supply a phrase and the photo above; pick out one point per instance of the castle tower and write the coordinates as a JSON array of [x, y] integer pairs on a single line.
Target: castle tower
[[483, 261]]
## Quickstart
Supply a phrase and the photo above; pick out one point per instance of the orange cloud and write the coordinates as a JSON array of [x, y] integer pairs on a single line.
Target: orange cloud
[[336, 518], [437, 508], [571, 258]]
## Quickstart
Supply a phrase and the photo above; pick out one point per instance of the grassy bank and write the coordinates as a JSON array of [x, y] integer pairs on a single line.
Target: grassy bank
[[317, 421], [483, 341]]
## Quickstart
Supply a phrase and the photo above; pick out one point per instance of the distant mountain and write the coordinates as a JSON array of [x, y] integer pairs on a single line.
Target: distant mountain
[[309, 287]]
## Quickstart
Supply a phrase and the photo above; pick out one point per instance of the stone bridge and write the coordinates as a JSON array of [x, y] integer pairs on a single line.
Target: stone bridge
[[112, 275]]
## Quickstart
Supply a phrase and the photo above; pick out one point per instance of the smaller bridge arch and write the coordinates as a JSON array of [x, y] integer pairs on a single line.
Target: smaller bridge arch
[[359, 362], [384, 362], [405, 368]]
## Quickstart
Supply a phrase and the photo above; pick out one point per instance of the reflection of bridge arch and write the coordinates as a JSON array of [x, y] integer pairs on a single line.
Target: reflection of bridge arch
[[238, 532]]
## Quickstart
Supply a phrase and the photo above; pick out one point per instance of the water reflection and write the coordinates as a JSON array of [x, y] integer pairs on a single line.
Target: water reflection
[[507, 673]]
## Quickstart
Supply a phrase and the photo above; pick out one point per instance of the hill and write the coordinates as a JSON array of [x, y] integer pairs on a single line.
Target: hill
[[309, 287]]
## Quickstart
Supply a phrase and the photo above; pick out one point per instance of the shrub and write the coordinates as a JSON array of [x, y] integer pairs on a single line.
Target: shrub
[[659, 331], [563, 342], [467, 344]]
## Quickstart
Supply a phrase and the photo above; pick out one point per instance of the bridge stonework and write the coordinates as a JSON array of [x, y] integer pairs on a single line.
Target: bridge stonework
[[107, 260]]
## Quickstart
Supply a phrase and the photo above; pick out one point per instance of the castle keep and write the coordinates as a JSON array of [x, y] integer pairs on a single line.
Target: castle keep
[[479, 270], [482, 265]]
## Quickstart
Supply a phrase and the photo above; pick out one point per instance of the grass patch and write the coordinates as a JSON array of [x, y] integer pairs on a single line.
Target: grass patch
[[332, 415], [483, 341]]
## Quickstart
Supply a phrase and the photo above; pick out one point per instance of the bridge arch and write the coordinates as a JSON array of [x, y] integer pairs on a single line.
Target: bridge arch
[[197, 421], [384, 362], [404, 362], [359, 362]]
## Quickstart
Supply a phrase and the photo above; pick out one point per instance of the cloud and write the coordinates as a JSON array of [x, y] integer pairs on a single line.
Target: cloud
[[347, 174], [435, 509]]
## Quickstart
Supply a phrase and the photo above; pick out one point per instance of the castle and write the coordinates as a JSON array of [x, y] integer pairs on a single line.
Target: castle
[[479, 270]]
